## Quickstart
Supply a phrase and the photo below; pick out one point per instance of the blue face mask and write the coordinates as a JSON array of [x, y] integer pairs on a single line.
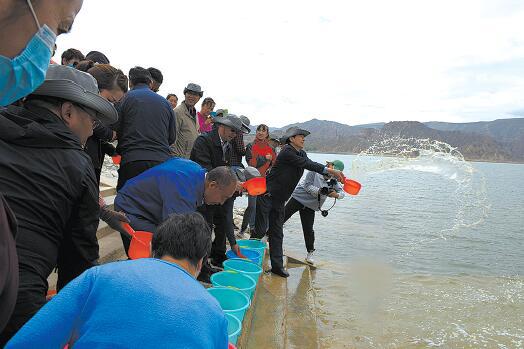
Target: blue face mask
[[21, 75]]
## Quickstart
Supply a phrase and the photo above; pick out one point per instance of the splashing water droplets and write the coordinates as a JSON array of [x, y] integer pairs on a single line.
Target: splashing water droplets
[[437, 158]]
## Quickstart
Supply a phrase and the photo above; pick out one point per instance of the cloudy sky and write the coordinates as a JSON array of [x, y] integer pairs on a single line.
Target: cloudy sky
[[353, 62]]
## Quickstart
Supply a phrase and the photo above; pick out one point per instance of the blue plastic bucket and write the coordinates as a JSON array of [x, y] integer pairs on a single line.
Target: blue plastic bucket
[[234, 328], [236, 280], [252, 255], [245, 267], [231, 301], [256, 245]]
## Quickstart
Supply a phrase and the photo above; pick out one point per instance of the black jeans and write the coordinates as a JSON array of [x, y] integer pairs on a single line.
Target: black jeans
[[307, 219], [271, 210], [221, 217], [133, 169], [263, 206], [31, 297]]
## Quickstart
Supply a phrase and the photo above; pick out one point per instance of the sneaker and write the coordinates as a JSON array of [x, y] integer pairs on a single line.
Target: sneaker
[[309, 258]]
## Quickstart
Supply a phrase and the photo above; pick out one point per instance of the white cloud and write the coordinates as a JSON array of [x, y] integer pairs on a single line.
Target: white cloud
[[350, 61]]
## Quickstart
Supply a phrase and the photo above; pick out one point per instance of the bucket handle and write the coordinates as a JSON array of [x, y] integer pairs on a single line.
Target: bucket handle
[[131, 232]]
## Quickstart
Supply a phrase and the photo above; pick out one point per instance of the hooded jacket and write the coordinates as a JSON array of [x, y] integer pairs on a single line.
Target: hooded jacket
[[49, 183]]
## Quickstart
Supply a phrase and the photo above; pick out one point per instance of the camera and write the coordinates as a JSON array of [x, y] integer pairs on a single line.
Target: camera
[[330, 188], [332, 182], [324, 191]]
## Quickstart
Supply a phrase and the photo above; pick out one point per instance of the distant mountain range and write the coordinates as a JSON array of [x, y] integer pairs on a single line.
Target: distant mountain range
[[500, 140]]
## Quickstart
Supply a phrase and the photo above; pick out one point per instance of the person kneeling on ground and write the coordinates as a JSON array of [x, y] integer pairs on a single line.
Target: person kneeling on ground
[[144, 303], [308, 197]]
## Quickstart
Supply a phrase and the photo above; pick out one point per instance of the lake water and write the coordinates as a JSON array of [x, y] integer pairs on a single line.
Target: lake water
[[429, 254]]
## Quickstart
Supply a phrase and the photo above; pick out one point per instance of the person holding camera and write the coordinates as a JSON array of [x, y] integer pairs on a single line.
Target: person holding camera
[[309, 196]]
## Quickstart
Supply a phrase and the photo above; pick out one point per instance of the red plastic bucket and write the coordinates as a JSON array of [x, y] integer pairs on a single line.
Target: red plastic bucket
[[116, 159], [255, 186], [351, 187]]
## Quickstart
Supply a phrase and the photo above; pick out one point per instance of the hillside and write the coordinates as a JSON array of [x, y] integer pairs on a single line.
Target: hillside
[[499, 140]]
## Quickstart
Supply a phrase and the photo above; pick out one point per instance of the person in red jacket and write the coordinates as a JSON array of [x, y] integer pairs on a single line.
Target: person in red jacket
[[261, 155]]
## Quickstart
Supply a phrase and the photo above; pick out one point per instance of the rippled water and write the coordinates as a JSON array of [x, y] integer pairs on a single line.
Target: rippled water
[[429, 254]]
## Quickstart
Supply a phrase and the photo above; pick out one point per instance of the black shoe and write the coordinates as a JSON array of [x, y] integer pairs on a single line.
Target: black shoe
[[213, 268], [208, 269], [280, 272], [217, 261]]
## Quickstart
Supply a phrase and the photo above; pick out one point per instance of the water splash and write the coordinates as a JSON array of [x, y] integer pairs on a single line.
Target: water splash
[[439, 158]]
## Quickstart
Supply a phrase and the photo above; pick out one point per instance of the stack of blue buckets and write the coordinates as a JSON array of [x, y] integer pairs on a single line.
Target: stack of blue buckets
[[235, 287]]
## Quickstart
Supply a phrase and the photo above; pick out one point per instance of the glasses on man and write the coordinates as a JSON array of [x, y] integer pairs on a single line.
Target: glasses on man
[[90, 112]]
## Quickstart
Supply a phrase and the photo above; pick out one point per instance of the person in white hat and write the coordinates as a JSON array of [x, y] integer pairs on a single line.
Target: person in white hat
[[49, 182]]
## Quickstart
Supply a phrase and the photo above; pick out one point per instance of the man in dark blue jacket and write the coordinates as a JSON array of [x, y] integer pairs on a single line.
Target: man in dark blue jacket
[[145, 129], [281, 181], [175, 186]]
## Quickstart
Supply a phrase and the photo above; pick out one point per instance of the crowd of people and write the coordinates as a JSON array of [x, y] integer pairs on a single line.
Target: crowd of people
[[180, 173]]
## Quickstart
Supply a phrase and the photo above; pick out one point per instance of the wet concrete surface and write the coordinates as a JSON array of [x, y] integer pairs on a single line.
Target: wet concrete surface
[[284, 315]]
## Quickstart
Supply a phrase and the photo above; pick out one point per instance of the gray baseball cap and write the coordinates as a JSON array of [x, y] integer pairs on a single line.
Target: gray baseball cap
[[78, 87]]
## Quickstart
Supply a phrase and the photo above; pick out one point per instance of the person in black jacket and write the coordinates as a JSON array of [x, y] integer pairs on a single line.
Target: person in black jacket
[[112, 84], [48, 181], [8, 262], [211, 150], [281, 181]]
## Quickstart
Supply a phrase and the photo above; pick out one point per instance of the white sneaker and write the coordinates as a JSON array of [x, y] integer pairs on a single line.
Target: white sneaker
[[309, 258]]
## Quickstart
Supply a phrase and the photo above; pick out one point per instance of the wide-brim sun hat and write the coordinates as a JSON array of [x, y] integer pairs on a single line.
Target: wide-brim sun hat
[[293, 131], [231, 120], [245, 123], [78, 87]]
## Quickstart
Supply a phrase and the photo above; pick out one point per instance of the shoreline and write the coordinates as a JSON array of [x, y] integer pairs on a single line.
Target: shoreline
[[385, 155]]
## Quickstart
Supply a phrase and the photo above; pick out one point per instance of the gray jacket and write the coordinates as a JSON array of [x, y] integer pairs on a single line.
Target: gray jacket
[[186, 132], [307, 192]]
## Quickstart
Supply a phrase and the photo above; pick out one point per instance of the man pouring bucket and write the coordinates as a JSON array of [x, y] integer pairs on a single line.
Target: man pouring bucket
[[281, 181]]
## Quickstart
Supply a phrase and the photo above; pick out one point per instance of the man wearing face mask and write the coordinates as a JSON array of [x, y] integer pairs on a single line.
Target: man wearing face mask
[[49, 183], [145, 303], [28, 34]]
